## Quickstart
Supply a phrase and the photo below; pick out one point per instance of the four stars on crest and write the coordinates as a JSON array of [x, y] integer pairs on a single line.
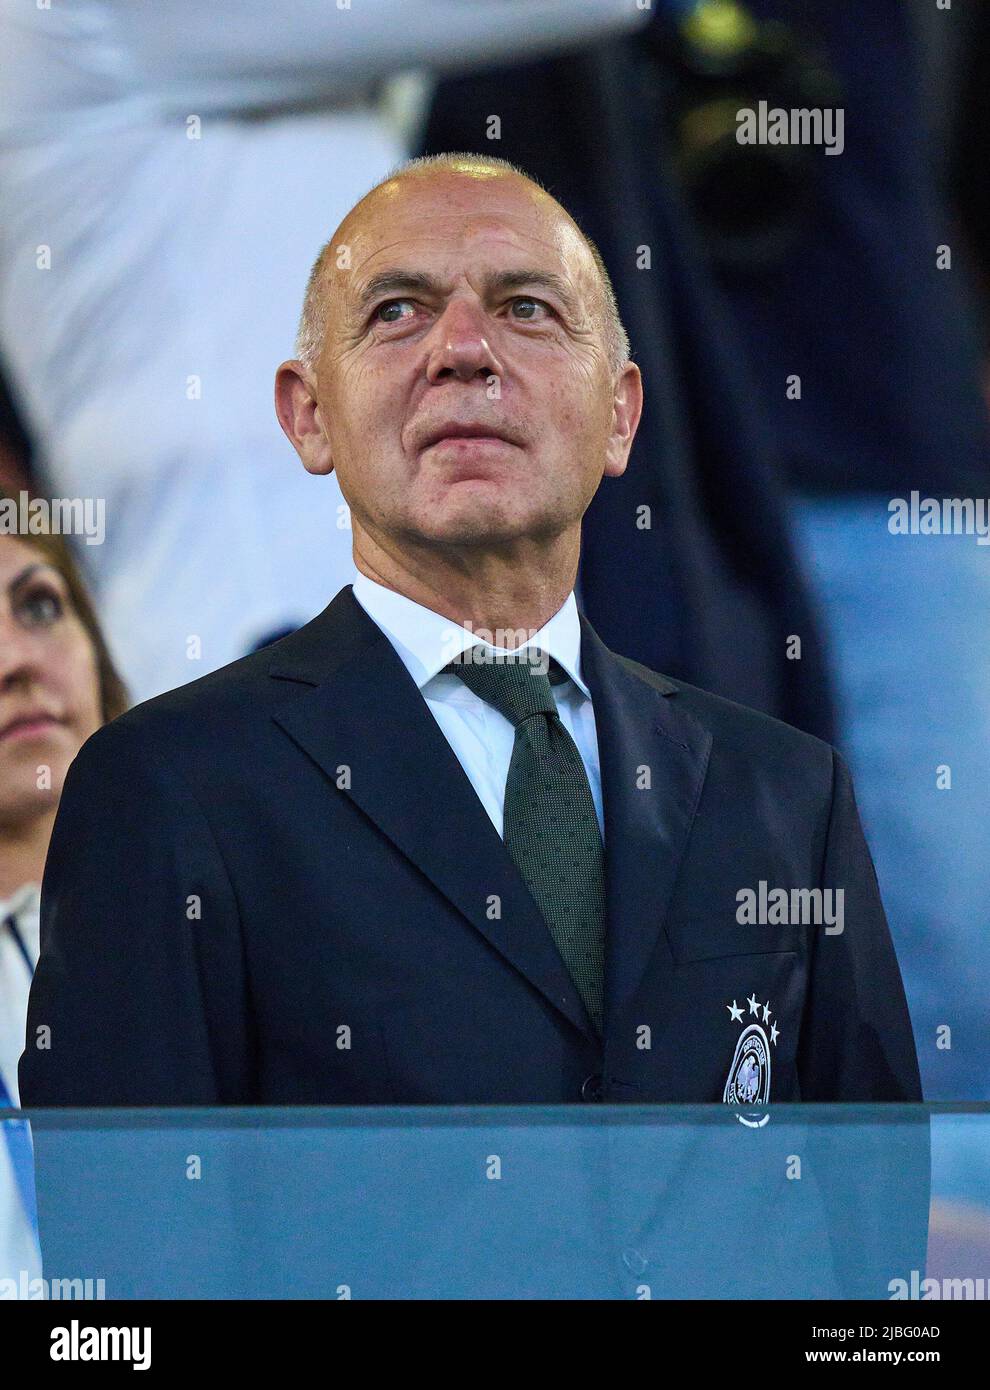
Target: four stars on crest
[[755, 1007]]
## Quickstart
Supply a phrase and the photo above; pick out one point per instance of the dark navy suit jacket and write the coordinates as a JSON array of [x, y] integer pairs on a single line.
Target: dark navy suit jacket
[[276, 884]]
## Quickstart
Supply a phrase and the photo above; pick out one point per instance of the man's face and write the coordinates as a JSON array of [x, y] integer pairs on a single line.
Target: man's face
[[469, 305]]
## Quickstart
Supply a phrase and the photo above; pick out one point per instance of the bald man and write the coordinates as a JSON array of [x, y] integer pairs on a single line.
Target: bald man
[[441, 844]]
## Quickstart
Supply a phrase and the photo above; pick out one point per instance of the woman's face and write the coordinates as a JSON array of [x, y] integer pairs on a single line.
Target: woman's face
[[49, 684]]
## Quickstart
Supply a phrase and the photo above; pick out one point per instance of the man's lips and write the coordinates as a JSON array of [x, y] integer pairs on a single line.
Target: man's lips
[[465, 435], [468, 443]]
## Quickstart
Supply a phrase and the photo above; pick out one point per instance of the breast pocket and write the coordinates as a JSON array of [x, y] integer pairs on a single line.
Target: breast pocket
[[699, 939], [740, 993]]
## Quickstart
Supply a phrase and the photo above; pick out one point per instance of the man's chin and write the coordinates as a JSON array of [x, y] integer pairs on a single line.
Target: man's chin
[[470, 532], [479, 520]]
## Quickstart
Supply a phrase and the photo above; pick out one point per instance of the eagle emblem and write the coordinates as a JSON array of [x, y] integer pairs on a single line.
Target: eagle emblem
[[748, 1081]]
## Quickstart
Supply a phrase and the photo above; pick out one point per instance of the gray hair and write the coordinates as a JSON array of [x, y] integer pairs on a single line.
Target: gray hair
[[312, 323]]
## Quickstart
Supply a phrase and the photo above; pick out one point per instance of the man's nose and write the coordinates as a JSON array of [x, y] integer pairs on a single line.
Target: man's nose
[[459, 344]]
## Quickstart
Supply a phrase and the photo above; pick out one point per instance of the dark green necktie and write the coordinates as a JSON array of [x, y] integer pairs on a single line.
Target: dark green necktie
[[550, 826]]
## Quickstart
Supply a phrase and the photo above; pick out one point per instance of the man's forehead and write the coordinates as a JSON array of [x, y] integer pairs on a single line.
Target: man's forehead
[[413, 198], [499, 227]]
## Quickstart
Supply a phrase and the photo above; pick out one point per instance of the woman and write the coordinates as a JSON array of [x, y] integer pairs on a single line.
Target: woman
[[57, 686]]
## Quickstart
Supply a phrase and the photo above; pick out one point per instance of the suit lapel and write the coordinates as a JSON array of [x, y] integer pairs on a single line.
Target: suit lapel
[[653, 762], [365, 712]]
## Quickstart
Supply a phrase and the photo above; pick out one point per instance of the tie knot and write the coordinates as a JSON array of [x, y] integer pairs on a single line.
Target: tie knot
[[516, 684]]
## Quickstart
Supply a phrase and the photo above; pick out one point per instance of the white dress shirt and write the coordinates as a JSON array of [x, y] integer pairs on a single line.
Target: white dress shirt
[[18, 1246], [481, 737]]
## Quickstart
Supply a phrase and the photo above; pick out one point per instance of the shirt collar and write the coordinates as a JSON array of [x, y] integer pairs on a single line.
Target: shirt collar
[[426, 641]]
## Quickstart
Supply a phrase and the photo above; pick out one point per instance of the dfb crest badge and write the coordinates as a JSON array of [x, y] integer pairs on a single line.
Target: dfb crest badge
[[748, 1082]]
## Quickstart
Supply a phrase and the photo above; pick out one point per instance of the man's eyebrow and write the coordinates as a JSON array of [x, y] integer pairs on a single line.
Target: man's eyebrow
[[394, 282], [506, 280], [387, 282]]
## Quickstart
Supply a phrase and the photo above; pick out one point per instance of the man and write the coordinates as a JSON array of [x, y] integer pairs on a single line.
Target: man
[[441, 844]]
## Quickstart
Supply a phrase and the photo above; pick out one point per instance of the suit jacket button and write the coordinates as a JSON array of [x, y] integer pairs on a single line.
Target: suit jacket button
[[593, 1087]]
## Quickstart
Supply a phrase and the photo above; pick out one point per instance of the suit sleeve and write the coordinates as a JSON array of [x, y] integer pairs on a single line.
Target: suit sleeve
[[856, 1040], [139, 993]]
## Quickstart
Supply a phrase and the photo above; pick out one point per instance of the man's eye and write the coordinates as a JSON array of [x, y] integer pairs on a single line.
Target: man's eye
[[387, 308], [526, 303], [41, 608]]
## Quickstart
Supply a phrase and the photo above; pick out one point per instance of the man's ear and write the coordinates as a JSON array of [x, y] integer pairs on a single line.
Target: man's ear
[[627, 407], [299, 416]]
